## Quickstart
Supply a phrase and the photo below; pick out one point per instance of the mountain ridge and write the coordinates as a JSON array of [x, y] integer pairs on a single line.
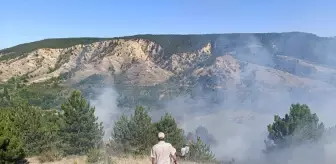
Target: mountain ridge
[[248, 61]]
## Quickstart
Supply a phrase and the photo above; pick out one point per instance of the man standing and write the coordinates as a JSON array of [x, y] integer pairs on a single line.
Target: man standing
[[162, 152]]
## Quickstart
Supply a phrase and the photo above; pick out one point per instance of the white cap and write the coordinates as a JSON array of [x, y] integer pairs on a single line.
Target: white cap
[[161, 135]]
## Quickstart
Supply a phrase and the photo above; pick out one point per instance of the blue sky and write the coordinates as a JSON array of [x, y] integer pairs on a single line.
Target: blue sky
[[30, 20]]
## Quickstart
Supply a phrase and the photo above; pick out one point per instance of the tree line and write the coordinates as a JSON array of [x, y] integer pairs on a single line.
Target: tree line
[[27, 130]]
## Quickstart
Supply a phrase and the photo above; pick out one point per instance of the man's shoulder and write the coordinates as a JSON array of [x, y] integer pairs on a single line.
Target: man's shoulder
[[168, 143], [154, 146], [163, 144]]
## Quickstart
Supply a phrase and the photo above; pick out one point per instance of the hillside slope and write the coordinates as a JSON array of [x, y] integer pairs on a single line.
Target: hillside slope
[[261, 61]]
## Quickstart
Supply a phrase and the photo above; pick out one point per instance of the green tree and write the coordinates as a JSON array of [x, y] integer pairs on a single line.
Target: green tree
[[199, 151], [297, 127], [141, 130], [121, 134], [81, 131], [11, 146], [173, 134], [37, 129], [136, 134]]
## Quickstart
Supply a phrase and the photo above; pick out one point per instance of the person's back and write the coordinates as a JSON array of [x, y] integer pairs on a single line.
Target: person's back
[[162, 152]]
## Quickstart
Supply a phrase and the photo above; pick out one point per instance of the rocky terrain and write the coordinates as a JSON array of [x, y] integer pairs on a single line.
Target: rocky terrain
[[261, 62]]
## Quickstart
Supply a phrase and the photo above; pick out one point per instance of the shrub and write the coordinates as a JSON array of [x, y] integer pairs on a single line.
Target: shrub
[[11, 150], [201, 152], [50, 156], [110, 160], [94, 156]]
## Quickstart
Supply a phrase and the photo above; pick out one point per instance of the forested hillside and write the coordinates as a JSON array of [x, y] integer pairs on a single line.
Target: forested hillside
[[150, 69]]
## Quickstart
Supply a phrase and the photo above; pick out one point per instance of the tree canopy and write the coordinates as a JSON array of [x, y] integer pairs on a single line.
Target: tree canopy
[[81, 131], [297, 127]]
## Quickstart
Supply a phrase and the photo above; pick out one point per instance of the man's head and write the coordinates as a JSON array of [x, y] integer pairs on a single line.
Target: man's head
[[161, 136]]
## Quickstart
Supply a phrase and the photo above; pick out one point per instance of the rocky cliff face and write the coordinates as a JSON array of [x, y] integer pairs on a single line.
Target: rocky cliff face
[[222, 61], [138, 60]]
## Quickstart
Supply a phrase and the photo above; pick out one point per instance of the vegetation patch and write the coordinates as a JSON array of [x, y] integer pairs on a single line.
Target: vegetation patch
[[23, 49]]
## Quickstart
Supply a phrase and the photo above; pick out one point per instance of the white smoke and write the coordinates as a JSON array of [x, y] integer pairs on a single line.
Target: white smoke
[[240, 126], [106, 109]]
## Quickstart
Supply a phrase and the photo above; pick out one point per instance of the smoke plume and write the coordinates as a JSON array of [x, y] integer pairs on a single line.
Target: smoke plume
[[106, 109], [271, 78], [273, 81]]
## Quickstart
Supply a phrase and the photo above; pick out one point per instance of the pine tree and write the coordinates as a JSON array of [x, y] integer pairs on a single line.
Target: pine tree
[[141, 129], [135, 135], [199, 151], [121, 134], [81, 131], [299, 126], [168, 125]]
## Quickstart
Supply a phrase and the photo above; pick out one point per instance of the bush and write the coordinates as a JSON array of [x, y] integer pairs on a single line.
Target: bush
[[110, 160], [94, 156], [11, 150], [50, 156], [200, 152]]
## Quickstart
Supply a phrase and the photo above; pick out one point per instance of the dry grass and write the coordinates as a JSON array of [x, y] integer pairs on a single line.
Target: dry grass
[[82, 160], [67, 160]]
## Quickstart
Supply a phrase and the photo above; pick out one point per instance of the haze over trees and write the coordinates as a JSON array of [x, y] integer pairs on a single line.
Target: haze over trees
[[51, 120], [28, 130]]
